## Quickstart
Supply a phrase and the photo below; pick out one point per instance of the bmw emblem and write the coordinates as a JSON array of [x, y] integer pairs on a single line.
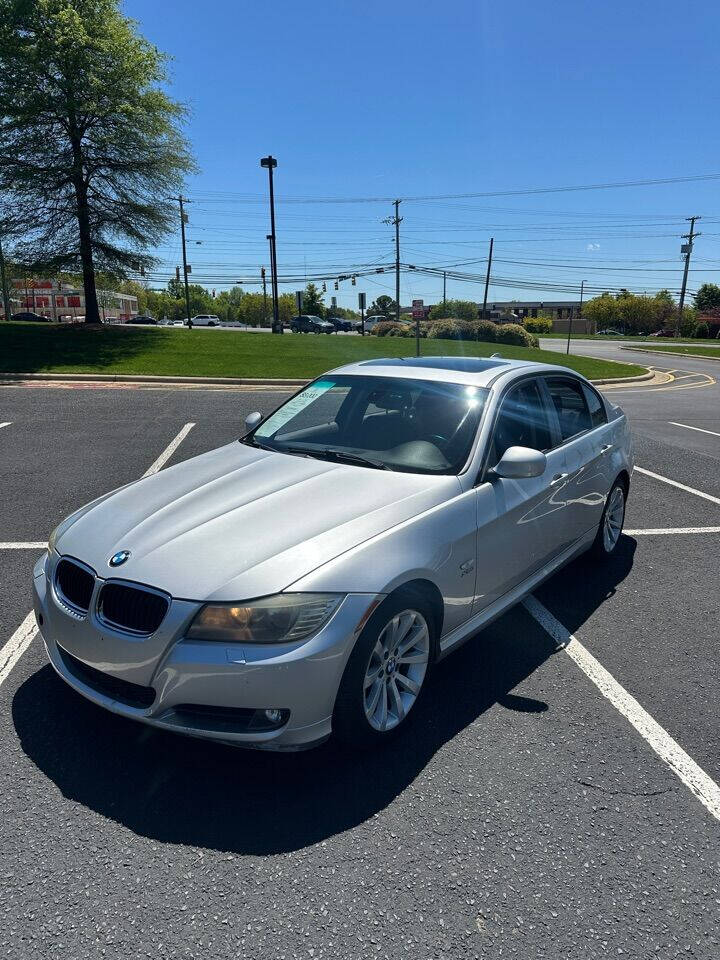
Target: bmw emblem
[[119, 558]]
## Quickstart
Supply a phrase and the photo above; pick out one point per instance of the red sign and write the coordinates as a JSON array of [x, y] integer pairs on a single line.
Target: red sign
[[418, 310]]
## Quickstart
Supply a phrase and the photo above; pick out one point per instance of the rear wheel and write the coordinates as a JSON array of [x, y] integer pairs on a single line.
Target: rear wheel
[[611, 523], [386, 672]]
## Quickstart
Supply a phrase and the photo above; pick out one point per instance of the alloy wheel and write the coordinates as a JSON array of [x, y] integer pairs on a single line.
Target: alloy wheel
[[396, 670], [614, 517]]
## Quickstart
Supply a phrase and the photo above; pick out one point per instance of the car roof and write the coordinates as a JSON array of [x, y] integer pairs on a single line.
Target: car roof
[[479, 371]]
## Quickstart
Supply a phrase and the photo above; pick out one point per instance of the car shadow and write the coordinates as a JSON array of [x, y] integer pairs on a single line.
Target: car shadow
[[179, 790]]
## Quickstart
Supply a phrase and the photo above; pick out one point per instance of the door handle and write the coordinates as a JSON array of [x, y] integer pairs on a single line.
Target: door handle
[[606, 447], [558, 478]]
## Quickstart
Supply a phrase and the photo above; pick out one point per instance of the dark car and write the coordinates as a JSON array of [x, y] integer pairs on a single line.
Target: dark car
[[32, 317], [340, 323], [143, 320], [663, 333], [308, 324]]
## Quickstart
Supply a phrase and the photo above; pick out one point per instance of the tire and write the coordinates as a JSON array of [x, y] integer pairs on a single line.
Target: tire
[[611, 523], [370, 712]]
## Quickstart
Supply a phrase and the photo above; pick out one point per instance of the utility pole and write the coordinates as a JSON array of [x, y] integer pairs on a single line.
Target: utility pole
[[396, 221], [183, 218], [487, 278], [3, 281], [444, 287], [582, 290], [264, 285], [270, 163], [687, 250]]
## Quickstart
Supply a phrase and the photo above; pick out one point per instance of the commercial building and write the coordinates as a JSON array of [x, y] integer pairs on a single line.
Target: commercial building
[[61, 301]]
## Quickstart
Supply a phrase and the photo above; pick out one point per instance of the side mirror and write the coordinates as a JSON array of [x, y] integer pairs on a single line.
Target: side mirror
[[520, 463], [252, 420]]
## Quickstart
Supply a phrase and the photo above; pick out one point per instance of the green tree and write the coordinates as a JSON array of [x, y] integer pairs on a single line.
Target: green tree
[[251, 310], [313, 301], [90, 144], [459, 309], [707, 297], [602, 311], [637, 314], [383, 306]]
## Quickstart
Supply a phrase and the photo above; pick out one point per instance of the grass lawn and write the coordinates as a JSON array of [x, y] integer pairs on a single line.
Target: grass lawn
[[51, 348], [638, 339], [698, 347]]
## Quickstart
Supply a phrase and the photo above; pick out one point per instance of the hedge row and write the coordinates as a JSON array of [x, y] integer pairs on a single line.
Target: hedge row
[[510, 333]]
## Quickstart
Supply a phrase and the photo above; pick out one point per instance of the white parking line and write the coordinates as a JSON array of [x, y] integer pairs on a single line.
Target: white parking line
[[169, 451], [659, 531], [6, 424], [680, 486], [40, 545], [18, 643], [682, 765], [699, 429], [16, 646]]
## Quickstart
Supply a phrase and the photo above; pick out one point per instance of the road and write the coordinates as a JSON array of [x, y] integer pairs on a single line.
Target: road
[[522, 815]]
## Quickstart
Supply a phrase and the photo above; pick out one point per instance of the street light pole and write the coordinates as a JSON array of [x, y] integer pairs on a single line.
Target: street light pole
[[272, 285], [270, 163], [444, 287], [582, 289]]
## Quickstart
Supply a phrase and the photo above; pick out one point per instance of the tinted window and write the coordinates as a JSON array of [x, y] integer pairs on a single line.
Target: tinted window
[[572, 410], [598, 416], [522, 422]]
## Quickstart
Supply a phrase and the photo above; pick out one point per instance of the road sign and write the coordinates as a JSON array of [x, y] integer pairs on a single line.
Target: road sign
[[418, 309], [299, 300], [333, 302], [361, 301]]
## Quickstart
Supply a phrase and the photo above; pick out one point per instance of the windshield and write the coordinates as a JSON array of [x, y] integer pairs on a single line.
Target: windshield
[[388, 423]]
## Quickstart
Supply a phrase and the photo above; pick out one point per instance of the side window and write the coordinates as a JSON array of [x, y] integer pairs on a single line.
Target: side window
[[572, 410], [598, 416], [522, 422]]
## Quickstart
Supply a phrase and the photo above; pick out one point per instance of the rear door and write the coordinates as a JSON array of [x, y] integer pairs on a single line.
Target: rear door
[[585, 441], [521, 523]]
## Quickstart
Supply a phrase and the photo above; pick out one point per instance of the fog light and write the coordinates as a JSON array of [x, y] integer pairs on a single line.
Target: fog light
[[274, 716]]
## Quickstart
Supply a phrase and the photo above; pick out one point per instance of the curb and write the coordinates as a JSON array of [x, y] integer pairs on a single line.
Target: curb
[[671, 353], [222, 381], [138, 378]]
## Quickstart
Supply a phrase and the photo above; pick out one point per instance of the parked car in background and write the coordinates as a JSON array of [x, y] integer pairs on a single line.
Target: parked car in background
[[305, 579], [142, 320], [372, 322], [310, 324], [663, 333], [341, 324], [30, 316], [609, 333], [205, 320]]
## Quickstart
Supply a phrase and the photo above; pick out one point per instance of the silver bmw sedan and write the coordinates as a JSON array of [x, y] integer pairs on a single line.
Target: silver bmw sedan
[[305, 579]]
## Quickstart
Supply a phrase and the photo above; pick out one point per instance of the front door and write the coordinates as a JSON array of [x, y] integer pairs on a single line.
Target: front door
[[520, 522]]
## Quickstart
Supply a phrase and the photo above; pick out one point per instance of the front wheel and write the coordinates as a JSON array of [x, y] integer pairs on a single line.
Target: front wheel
[[385, 674], [611, 523]]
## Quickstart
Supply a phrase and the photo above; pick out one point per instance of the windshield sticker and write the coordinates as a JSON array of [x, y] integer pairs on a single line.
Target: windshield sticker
[[293, 407]]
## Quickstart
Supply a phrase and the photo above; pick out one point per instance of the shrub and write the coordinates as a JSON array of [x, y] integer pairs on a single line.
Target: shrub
[[402, 330], [513, 333], [702, 331], [486, 330], [386, 327], [445, 329], [538, 324]]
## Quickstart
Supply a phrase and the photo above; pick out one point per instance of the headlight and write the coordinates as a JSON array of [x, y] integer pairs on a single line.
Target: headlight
[[279, 619], [53, 539]]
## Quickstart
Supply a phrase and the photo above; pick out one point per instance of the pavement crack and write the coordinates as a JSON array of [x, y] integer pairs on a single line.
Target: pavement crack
[[625, 793]]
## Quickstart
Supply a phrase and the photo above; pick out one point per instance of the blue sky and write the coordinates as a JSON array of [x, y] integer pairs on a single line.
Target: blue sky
[[399, 99]]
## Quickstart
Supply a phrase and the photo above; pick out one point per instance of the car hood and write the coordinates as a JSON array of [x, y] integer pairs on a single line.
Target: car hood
[[239, 522]]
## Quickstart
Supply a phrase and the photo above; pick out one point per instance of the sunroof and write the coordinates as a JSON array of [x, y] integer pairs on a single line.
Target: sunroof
[[462, 364]]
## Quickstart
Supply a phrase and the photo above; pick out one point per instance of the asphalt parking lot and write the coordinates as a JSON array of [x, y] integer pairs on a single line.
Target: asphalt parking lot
[[531, 810]]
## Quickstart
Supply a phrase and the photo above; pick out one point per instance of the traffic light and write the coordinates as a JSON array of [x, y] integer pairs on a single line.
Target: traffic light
[[353, 280], [324, 288], [337, 286], [177, 274], [262, 272]]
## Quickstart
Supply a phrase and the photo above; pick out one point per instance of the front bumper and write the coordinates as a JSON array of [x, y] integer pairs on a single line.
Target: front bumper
[[202, 689]]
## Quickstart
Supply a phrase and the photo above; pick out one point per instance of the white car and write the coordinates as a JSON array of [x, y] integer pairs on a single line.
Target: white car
[[205, 320], [304, 579]]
